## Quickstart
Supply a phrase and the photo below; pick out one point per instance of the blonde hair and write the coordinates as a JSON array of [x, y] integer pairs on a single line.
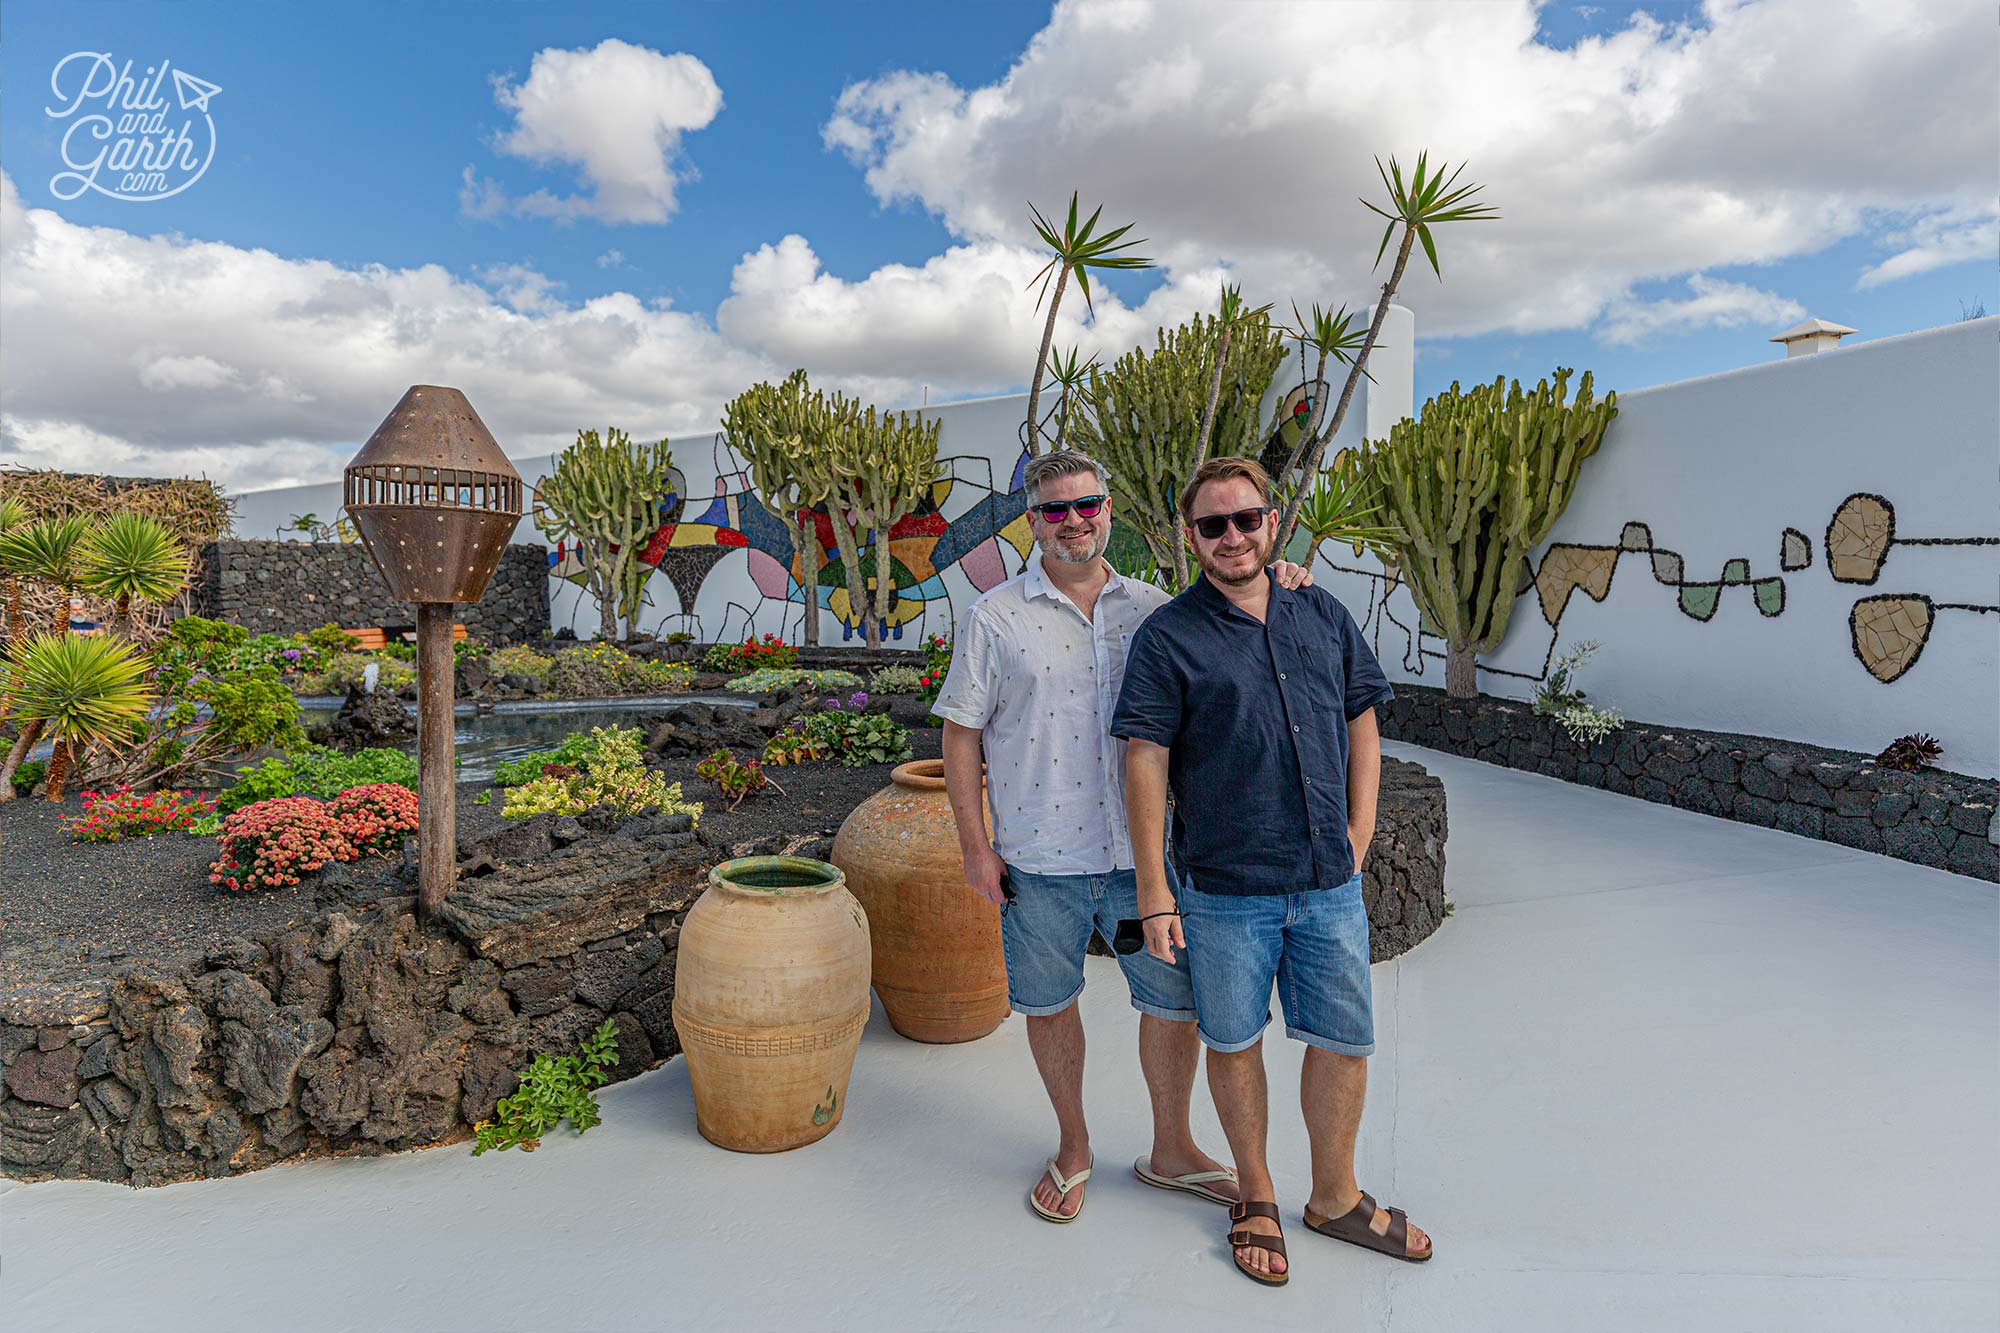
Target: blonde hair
[[1224, 469]]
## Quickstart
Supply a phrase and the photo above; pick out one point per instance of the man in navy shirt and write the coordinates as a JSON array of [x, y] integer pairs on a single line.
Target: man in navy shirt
[[1253, 703]]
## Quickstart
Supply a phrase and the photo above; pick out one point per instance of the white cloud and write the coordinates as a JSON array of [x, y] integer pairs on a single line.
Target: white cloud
[[1243, 134], [616, 113], [1714, 304], [1951, 237], [611, 259], [163, 355]]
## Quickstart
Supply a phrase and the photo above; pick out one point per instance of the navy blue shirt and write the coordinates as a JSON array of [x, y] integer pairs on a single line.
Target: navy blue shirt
[[1255, 716]]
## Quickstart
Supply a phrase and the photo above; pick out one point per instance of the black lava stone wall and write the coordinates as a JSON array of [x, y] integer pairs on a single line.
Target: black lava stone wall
[[1932, 817], [277, 587]]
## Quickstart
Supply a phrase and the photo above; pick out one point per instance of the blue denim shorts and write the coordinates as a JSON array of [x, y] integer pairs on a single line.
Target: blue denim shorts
[[1313, 945], [1046, 929]]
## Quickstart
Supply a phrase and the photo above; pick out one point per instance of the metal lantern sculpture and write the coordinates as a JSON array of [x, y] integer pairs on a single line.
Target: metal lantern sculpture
[[435, 501]]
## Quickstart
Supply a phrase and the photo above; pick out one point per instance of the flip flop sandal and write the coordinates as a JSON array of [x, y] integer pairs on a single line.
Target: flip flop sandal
[[1353, 1227], [1239, 1212], [1194, 1182], [1064, 1184]]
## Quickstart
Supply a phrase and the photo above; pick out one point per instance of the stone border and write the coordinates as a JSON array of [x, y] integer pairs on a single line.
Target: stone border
[[1932, 817], [363, 1032]]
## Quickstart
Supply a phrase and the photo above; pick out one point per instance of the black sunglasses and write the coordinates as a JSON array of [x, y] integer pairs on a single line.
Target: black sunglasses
[[1055, 511], [1211, 526]]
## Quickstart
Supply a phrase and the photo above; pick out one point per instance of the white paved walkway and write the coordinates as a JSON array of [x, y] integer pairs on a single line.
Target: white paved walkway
[[1658, 1071]]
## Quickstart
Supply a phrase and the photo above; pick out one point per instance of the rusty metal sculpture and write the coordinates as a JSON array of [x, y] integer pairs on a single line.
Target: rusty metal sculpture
[[435, 501]]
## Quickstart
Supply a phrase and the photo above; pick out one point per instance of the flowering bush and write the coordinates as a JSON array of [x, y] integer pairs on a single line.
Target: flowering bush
[[569, 754], [596, 670], [314, 770], [271, 844], [521, 660], [123, 813], [937, 664], [769, 651], [766, 679], [614, 775], [375, 819], [342, 671]]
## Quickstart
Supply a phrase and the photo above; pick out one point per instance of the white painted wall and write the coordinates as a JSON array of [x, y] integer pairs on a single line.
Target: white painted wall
[[1718, 467], [980, 437]]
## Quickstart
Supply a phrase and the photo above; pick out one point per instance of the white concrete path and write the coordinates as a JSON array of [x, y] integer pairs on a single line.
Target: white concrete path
[[1658, 1071]]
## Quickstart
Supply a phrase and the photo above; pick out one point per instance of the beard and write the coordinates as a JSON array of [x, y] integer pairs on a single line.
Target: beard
[[1077, 552], [1261, 542]]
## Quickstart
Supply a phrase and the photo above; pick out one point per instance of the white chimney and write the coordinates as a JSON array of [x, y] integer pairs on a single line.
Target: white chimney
[[1815, 335]]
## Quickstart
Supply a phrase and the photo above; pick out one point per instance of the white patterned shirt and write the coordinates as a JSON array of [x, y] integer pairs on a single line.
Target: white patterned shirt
[[1039, 681]]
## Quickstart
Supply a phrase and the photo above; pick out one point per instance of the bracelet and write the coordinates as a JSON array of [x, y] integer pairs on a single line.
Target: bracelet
[[1150, 916]]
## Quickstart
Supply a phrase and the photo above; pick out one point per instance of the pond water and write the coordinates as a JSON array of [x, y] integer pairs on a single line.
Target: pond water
[[510, 730]]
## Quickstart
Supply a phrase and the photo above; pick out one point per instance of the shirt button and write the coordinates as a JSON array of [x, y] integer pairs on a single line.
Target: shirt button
[[1309, 782], [1294, 728], [1281, 675]]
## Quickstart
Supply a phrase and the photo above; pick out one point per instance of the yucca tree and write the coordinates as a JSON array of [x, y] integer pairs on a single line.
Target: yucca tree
[[48, 551], [1072, 375], [1078, 250], [1345, 506], [1428, 199], [1232, 315], [128, 557], [13, 515], [82, 692]]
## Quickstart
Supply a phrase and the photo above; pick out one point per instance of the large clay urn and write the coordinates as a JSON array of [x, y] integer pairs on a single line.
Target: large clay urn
[[770, 996], [938, 965]]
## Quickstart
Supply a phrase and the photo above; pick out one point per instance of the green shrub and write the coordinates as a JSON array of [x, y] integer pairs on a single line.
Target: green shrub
[[521, 660], [594, 670], [554, 1088], [327, 773], [716, 657], [330, 639], [201, 637], [897, 680], [570, 752], [28, 774], [858, 738], [766, 679], [614, 775], [266, 782], [343, 671]]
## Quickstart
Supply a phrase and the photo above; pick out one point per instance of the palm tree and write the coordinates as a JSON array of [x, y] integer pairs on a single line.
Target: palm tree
[[48, 551], [1071, 374], [1340, 506], [129, 556], [1430, 198], [1077, 251], [83, 692]]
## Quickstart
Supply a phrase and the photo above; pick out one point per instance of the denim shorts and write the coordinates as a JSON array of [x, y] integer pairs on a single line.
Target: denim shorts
[[1046, 929], [1313, 945]]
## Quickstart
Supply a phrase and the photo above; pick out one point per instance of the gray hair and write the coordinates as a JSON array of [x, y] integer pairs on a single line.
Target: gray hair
[[1047, 467]]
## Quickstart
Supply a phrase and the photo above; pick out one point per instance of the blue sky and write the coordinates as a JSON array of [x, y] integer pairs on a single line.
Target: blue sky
[[344, 134]]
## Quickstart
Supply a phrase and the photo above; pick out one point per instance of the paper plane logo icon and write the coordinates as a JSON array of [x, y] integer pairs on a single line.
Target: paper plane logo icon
[[194, 93]]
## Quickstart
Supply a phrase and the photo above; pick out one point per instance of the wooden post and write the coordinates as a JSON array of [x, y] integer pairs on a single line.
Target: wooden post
[[437, 778]]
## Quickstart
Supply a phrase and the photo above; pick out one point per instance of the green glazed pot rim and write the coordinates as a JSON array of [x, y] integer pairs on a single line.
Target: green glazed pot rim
[[778, 876]]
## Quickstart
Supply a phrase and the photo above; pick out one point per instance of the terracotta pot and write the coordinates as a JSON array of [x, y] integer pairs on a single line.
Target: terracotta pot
[[770, 996], [938, 965]]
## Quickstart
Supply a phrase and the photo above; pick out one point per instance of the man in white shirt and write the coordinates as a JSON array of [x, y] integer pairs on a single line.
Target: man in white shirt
[[1035, 674]]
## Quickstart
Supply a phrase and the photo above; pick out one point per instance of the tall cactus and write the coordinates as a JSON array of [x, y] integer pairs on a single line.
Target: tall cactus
[[604, 495], [882, 465], [1146, 414], [1473, 484], [786, 438]]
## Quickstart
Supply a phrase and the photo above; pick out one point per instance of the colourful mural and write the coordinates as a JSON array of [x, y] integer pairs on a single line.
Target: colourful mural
[[1888, 631], [986, 536]]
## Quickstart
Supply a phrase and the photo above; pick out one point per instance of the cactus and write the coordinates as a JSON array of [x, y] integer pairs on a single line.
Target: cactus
[[785, 437], [1146, 414], [1472, 485], [882, 465], [605, 496]]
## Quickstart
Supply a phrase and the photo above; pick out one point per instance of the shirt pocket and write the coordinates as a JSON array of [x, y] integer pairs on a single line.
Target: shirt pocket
[[1325, 690]]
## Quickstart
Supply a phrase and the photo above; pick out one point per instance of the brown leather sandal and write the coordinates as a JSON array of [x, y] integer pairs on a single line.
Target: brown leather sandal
[[1275, 1244], [1354, 1228]]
